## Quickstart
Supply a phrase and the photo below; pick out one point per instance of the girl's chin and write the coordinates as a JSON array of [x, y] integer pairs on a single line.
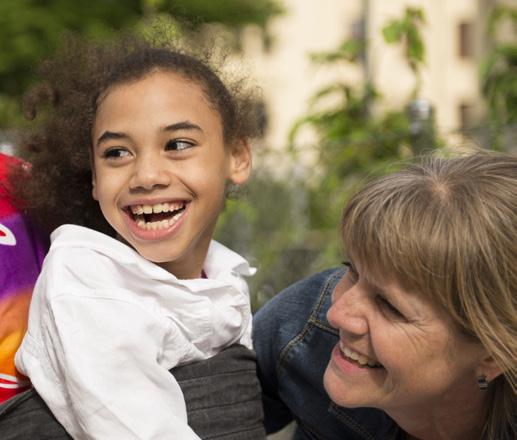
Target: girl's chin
[[157, 255]]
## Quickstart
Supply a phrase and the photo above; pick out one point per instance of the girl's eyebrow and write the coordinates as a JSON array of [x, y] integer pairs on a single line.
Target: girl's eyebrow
[[183, 125], [109, 135]]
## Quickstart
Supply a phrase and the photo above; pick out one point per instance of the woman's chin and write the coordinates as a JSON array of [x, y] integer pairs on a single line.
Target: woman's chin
[[341, 393]]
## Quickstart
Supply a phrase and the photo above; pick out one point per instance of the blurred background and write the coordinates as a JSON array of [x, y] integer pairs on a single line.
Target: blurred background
[[349, 88]]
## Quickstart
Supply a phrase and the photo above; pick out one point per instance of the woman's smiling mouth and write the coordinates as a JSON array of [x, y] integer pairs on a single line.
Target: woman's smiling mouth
[[360, 359], [157, 216]]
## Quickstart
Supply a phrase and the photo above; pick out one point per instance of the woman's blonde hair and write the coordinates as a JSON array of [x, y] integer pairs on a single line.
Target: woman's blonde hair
[[447, 228]]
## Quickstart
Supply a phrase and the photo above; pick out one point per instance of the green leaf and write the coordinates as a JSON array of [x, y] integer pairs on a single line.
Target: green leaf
[[393, 32]]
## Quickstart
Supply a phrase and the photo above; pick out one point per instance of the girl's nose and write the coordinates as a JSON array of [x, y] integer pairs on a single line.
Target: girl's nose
[[348, 312], [149, 173]]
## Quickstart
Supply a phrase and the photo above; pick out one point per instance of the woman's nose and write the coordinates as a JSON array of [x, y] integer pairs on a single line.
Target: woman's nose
[[348, 312], [149, 172]]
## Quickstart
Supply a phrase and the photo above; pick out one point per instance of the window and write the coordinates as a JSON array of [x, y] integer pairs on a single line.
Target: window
[[466, 116], [466, 40]]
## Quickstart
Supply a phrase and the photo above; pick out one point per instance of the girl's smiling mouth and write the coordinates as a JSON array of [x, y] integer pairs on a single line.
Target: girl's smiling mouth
[[157, 216]]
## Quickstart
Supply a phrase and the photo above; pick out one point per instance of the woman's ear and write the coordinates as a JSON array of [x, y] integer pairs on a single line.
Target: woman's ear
[[240, 166], [489, 368]]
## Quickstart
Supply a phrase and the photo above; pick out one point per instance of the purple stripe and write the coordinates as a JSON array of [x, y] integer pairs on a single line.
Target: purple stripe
[[20, 264]]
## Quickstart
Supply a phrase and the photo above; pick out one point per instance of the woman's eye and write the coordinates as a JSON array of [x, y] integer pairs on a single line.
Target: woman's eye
[[389, 308], [352, 274], [115, 153], [178, 145]]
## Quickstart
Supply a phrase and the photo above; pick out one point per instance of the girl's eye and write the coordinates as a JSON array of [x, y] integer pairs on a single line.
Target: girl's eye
[[178, 145], [115, 153], [388, 308]]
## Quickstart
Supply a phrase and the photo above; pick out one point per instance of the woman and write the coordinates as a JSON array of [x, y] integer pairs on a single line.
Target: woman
[[425, 315]]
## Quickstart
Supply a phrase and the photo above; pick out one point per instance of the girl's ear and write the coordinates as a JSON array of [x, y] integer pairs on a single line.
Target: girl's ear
[[240, 166], [94, 189], [94, 180]]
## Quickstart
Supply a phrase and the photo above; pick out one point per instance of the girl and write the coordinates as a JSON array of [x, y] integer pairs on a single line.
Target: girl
[[133, 284]]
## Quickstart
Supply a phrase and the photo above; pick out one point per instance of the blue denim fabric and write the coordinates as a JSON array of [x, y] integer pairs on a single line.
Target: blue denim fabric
[[293, 341]]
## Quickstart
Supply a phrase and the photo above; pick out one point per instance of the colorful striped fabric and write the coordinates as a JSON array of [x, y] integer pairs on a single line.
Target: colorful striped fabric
[[21, 254]]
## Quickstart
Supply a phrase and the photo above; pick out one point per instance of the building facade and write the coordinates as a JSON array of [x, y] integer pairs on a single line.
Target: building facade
[[454, 38]]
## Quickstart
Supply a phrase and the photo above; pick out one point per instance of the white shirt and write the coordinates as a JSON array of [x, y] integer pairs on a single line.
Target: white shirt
[[106, 325]]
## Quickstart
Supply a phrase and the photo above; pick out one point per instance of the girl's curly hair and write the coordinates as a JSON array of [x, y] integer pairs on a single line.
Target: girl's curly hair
[[64, 104]]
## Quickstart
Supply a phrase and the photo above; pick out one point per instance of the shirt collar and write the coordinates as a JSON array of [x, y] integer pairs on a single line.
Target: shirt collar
[[221, 263], [220, 259]]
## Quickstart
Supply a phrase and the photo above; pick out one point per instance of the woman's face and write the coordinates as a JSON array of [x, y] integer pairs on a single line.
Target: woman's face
[[397, 350]]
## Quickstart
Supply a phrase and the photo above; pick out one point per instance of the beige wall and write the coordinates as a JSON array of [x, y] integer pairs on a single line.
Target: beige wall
[[447, 79], [285, 73], [288, 78]]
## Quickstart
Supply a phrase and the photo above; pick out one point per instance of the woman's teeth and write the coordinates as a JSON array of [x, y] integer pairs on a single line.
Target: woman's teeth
[[362, 360]]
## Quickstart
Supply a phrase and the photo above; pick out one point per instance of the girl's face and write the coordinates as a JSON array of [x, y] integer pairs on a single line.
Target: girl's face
[[160, 168], [397, 350]]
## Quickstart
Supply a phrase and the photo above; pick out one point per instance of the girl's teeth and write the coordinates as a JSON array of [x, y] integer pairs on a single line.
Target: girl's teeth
[[162, 224], [156, 209]]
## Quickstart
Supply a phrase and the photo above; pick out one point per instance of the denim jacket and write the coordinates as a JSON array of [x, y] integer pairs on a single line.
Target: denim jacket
[[293, 341]]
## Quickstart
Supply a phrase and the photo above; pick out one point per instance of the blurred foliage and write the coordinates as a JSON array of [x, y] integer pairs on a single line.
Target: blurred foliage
[[31, 29], [292, 224], [285, 226], [232, 13], [349, 50], [407, 31], [499, 74], [289, 226], [265, 226]]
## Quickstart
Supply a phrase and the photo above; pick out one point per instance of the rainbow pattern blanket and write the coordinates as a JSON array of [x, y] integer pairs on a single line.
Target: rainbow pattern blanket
[[21, 254]]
